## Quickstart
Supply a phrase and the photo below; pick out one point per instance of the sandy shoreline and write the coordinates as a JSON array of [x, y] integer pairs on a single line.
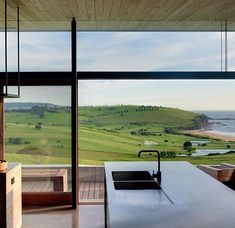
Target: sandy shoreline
[[225, 138]]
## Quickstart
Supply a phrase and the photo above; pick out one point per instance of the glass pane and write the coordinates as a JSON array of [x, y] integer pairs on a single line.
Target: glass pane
[[231, 50], [38, 135], [149, 51], [40, 51], [184, 120]]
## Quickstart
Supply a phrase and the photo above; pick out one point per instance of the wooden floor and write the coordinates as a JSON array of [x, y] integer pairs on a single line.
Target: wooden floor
[[87, 190]]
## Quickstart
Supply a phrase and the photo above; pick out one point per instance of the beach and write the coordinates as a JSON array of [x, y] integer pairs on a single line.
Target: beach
[[211, 134]]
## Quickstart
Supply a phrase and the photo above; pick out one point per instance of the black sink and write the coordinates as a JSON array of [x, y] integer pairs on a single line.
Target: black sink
[[131, 175], [136, 185]]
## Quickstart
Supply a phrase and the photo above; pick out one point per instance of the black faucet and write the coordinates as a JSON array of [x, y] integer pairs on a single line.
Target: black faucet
[[157, 175]]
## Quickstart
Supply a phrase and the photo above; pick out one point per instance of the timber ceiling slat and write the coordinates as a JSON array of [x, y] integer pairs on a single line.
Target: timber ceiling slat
[[82, 9], [157, 8], [74, 9], [114, 9], [177, 9], [143, 9], [65, 7], [132, 8], [11, 11], [99, 7], [107, 9], [55, 7], [120, 14], [90, 5], [195, 10], [123, 8], [106, 13], [28, 10]]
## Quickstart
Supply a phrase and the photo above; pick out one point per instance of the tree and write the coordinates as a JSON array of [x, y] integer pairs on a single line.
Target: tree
[[168, 130], [187, 145], [38, 126]]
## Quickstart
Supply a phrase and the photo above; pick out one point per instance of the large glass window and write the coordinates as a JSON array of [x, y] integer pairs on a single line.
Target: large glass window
[[40, 51], [38, 135], [149, 51], [185, 120]]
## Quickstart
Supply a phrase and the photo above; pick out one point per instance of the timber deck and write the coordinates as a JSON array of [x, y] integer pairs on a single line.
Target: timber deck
[[87, 190]]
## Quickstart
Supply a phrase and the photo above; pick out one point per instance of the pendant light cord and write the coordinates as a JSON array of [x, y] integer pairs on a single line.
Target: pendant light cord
[[226, 46], [6, 54], [18, 47], [221, 47]]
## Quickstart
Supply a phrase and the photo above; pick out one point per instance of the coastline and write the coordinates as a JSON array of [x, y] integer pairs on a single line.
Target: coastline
[[201, 132]]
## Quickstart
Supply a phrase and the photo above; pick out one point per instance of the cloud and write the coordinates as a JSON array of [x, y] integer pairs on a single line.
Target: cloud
[[149, 51], [39, 51], [118, 51], [128, 51]]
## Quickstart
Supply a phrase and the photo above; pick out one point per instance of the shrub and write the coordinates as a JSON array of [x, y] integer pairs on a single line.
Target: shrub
[[33, 151], [16, 141], [163, 154], [38, 126], [187, 145], [171, 154], [168, 130]]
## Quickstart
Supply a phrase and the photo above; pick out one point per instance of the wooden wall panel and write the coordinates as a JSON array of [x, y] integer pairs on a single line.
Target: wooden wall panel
[[10, 197]]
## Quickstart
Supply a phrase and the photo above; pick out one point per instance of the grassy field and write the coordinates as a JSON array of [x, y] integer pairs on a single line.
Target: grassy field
[[113, 133]]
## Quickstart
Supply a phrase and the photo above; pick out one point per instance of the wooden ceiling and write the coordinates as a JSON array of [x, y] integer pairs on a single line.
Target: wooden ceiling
[[116, 15]]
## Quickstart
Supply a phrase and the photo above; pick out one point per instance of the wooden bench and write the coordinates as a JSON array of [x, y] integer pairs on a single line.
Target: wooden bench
[[223, 173], [57, 176]]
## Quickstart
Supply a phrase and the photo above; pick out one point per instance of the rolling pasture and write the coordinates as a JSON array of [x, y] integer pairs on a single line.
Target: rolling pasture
[[106, 133]]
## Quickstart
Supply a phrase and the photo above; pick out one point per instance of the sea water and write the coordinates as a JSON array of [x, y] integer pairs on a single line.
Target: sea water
[[221, 122]]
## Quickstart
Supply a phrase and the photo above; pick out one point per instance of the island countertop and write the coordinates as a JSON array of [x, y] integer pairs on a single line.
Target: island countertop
[[190, 198]]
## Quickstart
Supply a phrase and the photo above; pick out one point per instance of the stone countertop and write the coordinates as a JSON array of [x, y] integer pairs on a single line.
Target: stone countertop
[[198, 199], [10, 166]]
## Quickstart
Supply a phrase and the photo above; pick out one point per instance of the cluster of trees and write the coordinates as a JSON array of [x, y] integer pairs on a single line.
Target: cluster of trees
[[41, 110], [168, 130], [96, 111], [168, 154], [60, 124], [17, 141], [38, 126], [38, 110], [144, 132], [188, 146], [147, 108], [105, 113], [39, 154]]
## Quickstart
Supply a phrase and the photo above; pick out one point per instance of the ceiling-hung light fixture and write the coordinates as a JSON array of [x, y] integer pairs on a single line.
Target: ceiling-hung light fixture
[[226, 46], [221, 47], [5, 93]]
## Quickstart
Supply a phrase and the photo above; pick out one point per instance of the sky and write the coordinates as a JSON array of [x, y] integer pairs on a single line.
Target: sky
[[128, 51]]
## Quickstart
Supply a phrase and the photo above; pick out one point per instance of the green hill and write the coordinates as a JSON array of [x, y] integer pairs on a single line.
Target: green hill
[[27, 105], [106, 133], [141, 115]]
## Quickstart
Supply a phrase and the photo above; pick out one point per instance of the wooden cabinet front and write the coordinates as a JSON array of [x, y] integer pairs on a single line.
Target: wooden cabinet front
[[10, 197]]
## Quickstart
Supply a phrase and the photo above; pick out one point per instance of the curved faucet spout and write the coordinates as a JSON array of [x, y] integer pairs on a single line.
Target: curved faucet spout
[[158, 174]]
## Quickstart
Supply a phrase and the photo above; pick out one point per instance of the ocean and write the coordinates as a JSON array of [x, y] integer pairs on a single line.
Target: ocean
[[221, 122]]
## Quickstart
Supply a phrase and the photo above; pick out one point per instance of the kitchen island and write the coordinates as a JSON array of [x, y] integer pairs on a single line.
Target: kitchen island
[[189, 198]]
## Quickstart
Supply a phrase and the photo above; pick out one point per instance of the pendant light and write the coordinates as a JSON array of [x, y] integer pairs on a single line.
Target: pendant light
[[5, 93]]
